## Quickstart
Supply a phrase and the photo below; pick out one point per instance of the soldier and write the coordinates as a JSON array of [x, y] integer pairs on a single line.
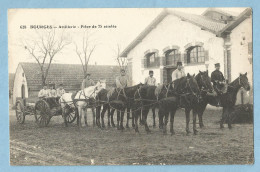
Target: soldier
[[52, 91], [44, 92], [121, 81], [218, 80], [87, 82], [179, 72], [60, 90], [150, 80]]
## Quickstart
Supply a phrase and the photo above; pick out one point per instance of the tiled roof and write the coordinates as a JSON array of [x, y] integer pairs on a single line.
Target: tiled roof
[[70, 75], [204, 22]]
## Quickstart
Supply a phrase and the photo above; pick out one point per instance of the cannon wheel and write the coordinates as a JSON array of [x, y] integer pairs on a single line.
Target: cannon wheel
[[71, 114], [42, 113], [19, 112]]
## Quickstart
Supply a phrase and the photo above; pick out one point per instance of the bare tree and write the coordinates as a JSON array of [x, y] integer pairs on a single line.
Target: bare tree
[[122, 61], [44, 48], [85, 50]]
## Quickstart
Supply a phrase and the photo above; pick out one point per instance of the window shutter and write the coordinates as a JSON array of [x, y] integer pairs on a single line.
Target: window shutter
[[157, 60], [144, 63], [185, 58], [206, 53], [163, 60]]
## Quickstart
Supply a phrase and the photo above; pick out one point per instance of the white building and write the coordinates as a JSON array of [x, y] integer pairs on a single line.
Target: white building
[[199, 41]]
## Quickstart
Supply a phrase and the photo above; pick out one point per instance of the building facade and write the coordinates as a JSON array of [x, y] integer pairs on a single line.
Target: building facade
[[199, 41]]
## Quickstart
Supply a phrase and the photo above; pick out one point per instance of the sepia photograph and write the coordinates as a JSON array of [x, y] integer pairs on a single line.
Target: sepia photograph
[[130, 86]]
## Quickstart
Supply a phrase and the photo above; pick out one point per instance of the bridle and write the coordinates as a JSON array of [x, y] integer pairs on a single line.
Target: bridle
[[204, 85]]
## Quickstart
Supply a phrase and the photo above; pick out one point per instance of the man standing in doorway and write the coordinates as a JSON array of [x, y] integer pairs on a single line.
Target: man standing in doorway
[[151, 81], [87, 82]]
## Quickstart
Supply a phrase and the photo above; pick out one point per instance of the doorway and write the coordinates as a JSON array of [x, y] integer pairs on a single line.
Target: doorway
[[23, 91], [169, 74]]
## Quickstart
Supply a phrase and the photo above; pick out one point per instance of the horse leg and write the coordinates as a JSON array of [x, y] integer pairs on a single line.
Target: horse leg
[[94, 116], [64, 115], [85, 116], [112, 117], [141, 118], [195, 131], [160, 119], [80, 116], [128, 117], [102, 116], [166, 122], [222, 120], [98, 115], [229, 110], [172, 113], [122, 119], [136, 114], [145, 114], [133, 119], [118, 119], [187, 113], [153, 110], [200, 113], [108, 116]]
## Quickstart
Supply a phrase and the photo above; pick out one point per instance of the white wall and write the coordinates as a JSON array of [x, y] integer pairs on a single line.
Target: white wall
[[173, 31], [19, 80], [239, 56]]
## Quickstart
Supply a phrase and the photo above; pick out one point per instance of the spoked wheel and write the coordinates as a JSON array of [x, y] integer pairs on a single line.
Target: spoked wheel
[[42, 113], [19, 112], [71, 114]]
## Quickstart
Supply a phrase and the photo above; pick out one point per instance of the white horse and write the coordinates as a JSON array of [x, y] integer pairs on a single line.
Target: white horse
[[81, 99]]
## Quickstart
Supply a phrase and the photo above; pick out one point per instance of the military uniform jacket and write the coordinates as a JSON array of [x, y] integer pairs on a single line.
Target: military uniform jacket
[[87, 83], [217, 76], [150, 81], [121, 81]]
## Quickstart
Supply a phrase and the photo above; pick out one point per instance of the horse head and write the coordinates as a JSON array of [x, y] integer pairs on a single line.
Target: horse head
[[243, 81], [192, 84], [204, 81]]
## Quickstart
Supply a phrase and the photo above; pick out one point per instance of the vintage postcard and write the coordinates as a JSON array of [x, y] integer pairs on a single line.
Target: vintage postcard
[[130, 86]]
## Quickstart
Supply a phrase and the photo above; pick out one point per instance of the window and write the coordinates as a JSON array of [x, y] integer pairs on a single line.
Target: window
[[196, 55], [171, 57], [152, 59]]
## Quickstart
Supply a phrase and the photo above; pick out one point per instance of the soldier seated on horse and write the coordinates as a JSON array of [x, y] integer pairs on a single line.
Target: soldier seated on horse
[[219, 82]]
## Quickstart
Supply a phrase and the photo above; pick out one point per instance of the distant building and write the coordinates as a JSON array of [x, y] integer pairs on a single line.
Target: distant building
[[199, 41], [27, 79]]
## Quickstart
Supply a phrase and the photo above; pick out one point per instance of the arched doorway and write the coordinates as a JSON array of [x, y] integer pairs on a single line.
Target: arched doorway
[[23, 91]]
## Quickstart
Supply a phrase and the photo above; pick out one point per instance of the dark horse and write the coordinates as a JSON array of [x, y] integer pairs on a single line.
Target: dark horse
[[121, 100], [227, 100], [185, 94], [102, 101]]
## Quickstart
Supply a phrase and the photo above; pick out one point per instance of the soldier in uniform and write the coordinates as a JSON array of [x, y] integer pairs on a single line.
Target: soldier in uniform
[[218, 80], [121, 81], [44, 92], [178, 73], [87, 82], [60, 90], [150, 80]]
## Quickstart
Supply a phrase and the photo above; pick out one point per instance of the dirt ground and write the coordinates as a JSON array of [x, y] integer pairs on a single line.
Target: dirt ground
[[57, 145]]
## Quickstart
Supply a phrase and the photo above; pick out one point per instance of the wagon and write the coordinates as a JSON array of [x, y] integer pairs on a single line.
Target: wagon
[[43, 110]]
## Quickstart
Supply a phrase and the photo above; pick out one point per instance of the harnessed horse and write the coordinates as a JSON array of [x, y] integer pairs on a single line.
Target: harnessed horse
[[227, 100], [81, 100]]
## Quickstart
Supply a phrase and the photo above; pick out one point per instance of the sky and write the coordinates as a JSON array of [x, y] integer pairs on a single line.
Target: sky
[[129, 23]]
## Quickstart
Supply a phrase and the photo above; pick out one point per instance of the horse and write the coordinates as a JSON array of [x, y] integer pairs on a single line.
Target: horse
[[121, 100], [145, 99], [227, 100], [81, 100], [102, 100]]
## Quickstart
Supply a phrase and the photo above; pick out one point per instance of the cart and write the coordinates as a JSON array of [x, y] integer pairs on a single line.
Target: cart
[[43, 110]]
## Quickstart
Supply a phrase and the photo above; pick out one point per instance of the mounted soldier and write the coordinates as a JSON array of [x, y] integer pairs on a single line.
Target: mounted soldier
[[122, 81], [60, 90], [178, 73], [218, 80], [87, 82], [150, 80]]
